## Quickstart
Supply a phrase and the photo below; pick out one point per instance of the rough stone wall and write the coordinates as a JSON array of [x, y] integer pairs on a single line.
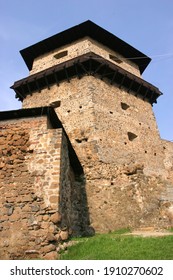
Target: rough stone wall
[[92, 114], [73, 200], [112, 132], [127, 132], [168, 158], [80, 47], [30, 184], [126, 197]]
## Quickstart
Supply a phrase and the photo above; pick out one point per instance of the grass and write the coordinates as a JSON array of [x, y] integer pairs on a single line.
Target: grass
[[114, 246]]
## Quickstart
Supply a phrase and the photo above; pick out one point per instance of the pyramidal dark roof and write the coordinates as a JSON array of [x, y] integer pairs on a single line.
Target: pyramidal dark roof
[[92, 30]]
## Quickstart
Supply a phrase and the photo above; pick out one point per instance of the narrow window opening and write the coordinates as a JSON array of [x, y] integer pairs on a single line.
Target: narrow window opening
[[60, 54], [82, 140], [131, 136], [140, 123], [125, 143], [155, 154], [78, 140], [145, 152], [115, 58], [80, 106], [124, 106]]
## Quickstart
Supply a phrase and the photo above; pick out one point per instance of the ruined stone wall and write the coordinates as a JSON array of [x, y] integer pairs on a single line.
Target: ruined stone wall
[[30, 156], [78, 48]]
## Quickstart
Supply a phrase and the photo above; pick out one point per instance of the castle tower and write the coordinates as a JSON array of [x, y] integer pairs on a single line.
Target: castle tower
[[93, 80]]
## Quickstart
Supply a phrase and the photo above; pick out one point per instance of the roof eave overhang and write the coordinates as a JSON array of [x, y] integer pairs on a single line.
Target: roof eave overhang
[[87, 64]]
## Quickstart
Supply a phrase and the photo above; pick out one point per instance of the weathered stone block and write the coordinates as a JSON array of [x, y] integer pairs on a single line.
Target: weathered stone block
[[56, 218], [51, 256], [47, 249], [64, 235], [54, 199]]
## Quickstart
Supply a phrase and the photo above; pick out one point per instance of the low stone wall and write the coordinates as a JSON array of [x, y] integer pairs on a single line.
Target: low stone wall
[[30, 221]]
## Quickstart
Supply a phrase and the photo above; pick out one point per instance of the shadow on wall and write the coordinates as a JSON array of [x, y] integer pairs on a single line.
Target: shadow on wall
[[74, 205]]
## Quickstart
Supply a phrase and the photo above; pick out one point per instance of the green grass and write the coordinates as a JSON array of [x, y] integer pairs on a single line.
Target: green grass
[[115, 246]]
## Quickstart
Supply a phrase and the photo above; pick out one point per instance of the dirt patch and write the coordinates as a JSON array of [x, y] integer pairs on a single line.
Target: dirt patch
[[148, 233]]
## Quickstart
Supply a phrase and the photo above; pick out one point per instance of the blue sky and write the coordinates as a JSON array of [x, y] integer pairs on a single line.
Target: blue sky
[[146, 25]]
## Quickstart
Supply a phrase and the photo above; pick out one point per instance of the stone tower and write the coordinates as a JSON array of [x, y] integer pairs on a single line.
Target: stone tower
[[93, 80]]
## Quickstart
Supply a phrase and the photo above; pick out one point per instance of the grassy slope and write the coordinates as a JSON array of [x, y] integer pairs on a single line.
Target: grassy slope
[[118, 247]]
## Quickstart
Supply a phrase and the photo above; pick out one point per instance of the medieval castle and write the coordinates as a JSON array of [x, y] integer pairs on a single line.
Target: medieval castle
[[84, 154]]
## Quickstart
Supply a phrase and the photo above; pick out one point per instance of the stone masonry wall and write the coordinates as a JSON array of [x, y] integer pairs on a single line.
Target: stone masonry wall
[[73, 198], [114, 134], [80, 47], [29, 184], [126, 197], [168, 160], [92, 115]]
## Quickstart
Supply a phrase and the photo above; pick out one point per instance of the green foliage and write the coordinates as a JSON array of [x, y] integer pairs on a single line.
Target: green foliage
[[114, 246]]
